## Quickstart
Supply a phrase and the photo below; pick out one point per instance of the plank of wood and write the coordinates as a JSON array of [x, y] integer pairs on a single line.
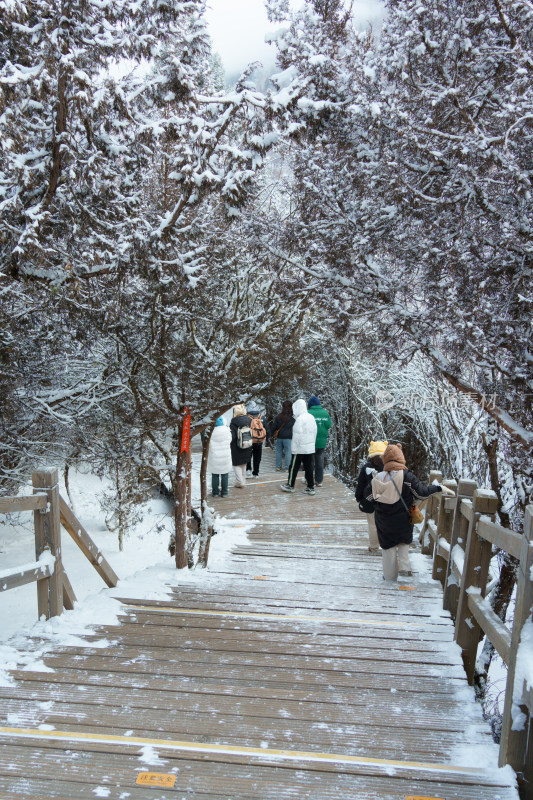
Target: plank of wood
[[63, 775], [34, 502], [18, 577], [86, 544], [358, 675], [432, 713], [507, 540]]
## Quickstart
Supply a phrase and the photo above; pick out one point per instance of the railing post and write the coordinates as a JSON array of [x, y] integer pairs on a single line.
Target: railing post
[[465, 490], [516, 745], [445, 511], [478, 553], [431, 513], [48, 537]]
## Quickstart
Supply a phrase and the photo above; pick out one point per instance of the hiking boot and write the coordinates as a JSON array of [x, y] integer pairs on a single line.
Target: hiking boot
[[405, 573], [279, 469], [309, 491], [285, 487], [318, 486], [374, 551]]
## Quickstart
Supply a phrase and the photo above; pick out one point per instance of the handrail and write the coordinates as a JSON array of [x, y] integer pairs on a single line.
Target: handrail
[[460, 533], [54, 591], [34, 502], [28, 573]]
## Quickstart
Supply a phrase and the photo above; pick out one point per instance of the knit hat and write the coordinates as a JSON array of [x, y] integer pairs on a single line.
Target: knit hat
[[377, 448], [239, 410], [219, 422], [313, 401], [393, 458]]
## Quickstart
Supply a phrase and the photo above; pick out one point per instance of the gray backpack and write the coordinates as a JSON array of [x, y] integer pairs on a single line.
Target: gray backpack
[[244, 437]]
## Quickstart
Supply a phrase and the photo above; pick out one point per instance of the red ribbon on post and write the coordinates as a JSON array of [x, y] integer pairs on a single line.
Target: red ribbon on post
[[186, 433]]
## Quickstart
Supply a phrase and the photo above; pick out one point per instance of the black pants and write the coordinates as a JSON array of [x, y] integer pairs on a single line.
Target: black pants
[[257, 452], [307, 460]]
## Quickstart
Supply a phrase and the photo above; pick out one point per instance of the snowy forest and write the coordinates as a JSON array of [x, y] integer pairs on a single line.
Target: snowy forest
[[360, 228]]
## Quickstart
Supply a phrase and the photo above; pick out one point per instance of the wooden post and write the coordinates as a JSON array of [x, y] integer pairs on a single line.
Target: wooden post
[[48, 537], [478, 553], [431, 513], [516, 745], [446, 506], [465, 490]]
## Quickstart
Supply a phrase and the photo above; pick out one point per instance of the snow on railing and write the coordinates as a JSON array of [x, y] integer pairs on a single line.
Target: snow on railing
[[459, 533], [54, 592]]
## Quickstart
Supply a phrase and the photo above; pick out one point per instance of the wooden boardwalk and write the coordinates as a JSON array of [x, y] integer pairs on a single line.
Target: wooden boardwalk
[[294, 672]]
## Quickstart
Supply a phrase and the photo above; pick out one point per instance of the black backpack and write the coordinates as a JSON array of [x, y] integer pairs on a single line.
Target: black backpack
[[367, 506]]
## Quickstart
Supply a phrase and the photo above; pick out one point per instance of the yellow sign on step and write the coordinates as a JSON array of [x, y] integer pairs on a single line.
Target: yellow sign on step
[[156, 779], [261, 578], [410, 589], [418, 797]]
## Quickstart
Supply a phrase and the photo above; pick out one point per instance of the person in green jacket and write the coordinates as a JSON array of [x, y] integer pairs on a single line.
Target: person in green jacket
[[323, 424]]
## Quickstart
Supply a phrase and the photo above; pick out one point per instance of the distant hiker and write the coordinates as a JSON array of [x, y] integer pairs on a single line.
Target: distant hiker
[[281, 430], [303, 447], [241, 443], [394, 490], [363, 490], [323, 424], [219, 458], [258, 437]]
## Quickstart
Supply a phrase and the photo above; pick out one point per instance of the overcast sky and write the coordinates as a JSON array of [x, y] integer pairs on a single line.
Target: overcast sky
[[238, 29]]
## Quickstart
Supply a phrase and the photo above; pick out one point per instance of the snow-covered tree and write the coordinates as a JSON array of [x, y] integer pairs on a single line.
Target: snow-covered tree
[[218, 72], [411, 188]]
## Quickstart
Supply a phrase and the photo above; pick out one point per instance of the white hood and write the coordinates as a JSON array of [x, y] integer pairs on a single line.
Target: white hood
[[383, 489], [298, 408]]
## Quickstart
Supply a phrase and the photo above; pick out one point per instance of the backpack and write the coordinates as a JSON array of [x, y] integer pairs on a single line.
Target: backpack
[[244, 437], [367, 505], [258, 430]]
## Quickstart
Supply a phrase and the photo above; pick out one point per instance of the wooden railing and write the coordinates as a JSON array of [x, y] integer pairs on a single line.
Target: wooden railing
[[50, 512], [459, 533]]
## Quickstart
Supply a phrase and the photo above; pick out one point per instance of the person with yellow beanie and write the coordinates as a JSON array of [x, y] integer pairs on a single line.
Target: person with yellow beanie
[[373, 465]]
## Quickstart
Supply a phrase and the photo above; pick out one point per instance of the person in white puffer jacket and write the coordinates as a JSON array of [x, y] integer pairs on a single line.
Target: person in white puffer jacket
[[302, 447], [219, 458]]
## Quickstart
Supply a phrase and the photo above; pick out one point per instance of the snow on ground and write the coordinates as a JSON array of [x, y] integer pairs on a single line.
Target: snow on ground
[[145, 568]]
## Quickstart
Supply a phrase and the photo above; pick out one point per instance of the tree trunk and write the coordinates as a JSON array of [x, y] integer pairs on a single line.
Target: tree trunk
[[206, 525], [192, 518], [66, 475], [120, 509], [179, 486]]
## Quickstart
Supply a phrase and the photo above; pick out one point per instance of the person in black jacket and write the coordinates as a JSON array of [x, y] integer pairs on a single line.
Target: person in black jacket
[[258, 437], [281, 430], [240, 456], [394, 491], [363, 490]]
